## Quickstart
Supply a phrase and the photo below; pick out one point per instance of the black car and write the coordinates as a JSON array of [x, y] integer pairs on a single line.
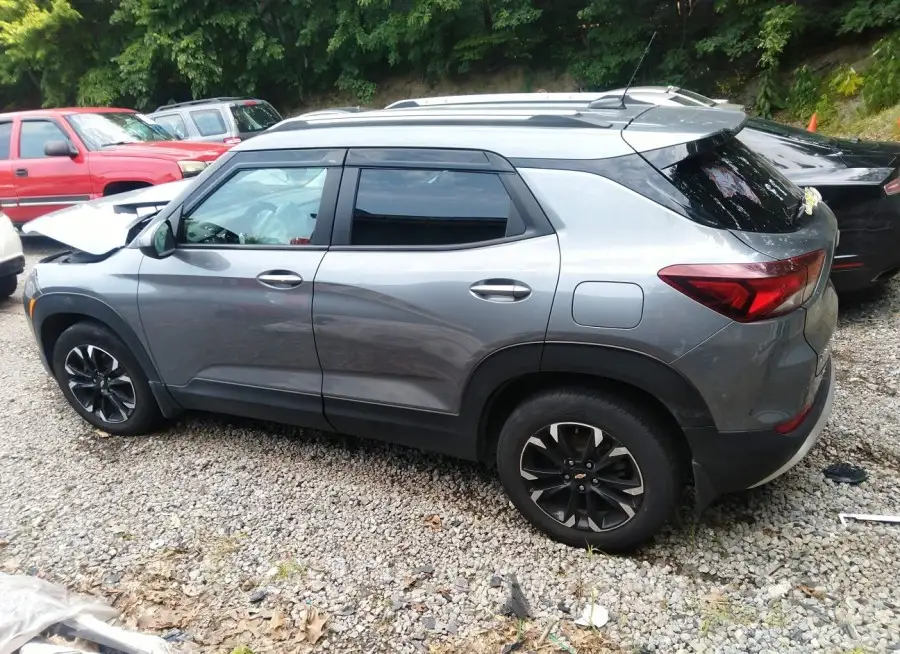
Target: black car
[[858, 179]]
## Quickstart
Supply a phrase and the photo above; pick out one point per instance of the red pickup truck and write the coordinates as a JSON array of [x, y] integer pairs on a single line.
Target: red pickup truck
[[53, 158]]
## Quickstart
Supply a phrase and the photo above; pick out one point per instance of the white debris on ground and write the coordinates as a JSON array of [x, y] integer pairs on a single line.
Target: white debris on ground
[[220, 532]]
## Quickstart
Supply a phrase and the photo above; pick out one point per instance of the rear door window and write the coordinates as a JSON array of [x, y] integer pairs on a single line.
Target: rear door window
[[254, 116], [431, 207], [737, 189], [209, 122]]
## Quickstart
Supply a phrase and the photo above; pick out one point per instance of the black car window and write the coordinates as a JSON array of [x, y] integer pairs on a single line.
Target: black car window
[[209, 122], [5, 138], [262, 206], [254, 116], [431, 207], [35, 135], [789, 153], [737, 189]]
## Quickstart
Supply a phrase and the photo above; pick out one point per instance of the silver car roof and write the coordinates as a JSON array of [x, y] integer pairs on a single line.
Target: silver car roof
[[513, 133]]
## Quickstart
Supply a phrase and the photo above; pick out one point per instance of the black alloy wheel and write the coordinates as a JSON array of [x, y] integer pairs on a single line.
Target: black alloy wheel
[[100, 383], [581, 476]]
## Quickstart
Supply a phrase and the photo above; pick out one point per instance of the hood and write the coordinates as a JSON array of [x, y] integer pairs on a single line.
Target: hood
[[102, 225], [172, 150]]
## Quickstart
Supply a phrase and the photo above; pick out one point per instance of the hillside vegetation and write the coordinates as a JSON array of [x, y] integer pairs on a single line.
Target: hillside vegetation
[[142, 53]]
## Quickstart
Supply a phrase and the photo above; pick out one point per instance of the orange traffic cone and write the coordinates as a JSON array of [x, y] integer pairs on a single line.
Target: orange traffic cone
[[813, 123]]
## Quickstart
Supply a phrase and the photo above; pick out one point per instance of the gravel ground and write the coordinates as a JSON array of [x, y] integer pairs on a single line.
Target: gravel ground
[[228, 530]]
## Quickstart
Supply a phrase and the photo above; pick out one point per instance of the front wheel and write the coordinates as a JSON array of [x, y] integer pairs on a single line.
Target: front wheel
[[588, 469], [103, 381], [8, 285]]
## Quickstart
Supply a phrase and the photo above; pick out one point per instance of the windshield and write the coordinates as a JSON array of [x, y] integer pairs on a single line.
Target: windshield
[[771, 127], [104, 129], [254, 116]]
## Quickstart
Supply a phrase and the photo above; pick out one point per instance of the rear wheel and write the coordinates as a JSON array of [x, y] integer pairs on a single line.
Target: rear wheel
[[8, 285], [103, 381], [588, 469]]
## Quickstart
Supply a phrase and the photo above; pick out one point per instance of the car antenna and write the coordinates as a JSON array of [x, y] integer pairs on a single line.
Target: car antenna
[[636, 69]]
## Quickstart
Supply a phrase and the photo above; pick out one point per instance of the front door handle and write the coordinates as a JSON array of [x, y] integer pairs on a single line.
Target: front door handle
[[280, 279], [21, 172], [500, 290]]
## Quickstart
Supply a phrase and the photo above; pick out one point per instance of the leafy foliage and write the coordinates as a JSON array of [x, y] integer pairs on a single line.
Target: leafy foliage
[[882, 83], [145, 52], [804, 94]]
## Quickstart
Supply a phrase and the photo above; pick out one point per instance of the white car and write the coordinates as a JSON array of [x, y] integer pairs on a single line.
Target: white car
[[12, 260]]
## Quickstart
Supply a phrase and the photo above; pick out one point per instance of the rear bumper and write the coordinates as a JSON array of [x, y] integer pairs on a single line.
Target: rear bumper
[[12, 266], [726, 462]]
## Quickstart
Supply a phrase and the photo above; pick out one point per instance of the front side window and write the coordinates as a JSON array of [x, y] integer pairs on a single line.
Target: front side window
[[35, 135], [174, 124], [102, 130], [5, 139], [430, 207], [209, 122], [264, 206], [254, 116]]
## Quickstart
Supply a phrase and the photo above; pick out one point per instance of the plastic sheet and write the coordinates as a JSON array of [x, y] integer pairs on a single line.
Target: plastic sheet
[[29, 606]]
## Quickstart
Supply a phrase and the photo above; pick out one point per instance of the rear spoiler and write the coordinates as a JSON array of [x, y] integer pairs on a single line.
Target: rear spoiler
[[843, 177]]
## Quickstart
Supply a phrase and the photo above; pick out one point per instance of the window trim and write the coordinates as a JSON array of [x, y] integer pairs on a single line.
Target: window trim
[[226, 130], [42, 119], [262, 160], [530, 212]]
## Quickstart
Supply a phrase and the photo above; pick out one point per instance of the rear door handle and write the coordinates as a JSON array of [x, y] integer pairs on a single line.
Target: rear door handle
[[21, 172], [500, 290], [280, 279]]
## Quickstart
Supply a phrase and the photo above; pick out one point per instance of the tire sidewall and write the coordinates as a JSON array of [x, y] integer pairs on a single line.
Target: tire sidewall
[[146, 414], [8, 286], [654, 455]]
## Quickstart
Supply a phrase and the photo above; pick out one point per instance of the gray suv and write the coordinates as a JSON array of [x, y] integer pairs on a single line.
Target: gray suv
[[606, 305], [218, 120]]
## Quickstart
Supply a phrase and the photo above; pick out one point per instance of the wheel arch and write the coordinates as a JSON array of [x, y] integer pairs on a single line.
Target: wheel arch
[[122, 186], [504, 379], [56, 312]]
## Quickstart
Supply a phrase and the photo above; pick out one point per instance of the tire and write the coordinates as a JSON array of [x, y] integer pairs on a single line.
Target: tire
[[8, 286], [647, 474], [126, 404]]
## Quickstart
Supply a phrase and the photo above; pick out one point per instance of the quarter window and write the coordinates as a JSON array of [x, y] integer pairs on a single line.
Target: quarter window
[[35, 135], [209, 122], [431, 207], [265, 206]]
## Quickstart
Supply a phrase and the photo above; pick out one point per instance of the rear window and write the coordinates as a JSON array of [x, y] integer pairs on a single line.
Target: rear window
[[736, 189], [254, 117], [702, 99]]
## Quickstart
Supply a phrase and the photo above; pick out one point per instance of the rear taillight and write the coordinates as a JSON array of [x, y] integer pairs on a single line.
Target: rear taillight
[[796, 421], [892, 187], [747, 292], [232, 140]]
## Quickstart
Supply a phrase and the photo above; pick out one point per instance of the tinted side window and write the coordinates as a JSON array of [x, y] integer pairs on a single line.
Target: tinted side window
[[5, 138], [263, 206], [737, 189], [209, 122], [174, 123], [35, 134], [430, 207]]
